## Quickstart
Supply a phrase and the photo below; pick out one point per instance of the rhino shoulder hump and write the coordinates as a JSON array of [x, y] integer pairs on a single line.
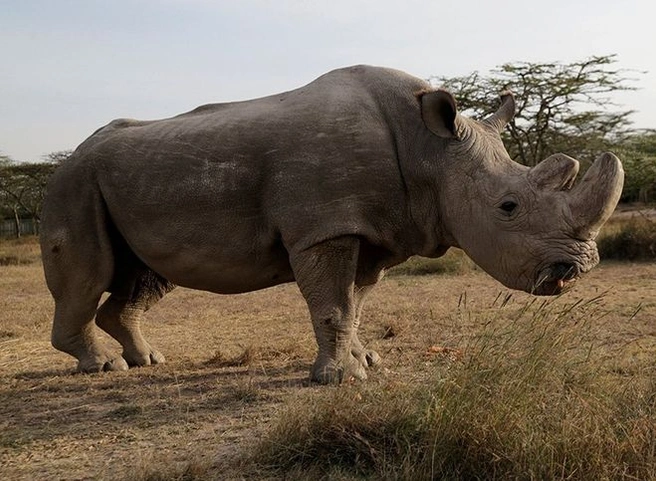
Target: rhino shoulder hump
[[125, 123]]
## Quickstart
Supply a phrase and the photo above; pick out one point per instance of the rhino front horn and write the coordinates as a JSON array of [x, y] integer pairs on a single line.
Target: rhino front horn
[[594, 198]]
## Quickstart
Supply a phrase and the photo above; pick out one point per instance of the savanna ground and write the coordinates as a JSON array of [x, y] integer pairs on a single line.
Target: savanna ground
[[516, 387]]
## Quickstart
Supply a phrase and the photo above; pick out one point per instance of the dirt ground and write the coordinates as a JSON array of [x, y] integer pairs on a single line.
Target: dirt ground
[[235, 363]]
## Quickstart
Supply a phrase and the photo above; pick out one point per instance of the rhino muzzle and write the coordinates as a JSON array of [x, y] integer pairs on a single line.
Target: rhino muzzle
[[556, 278]]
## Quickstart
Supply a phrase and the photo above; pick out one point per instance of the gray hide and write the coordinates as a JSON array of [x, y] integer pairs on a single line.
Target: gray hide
[[327, 185]]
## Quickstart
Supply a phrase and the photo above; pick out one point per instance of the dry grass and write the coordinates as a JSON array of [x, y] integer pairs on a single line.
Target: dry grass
[[15, 252], [455, 261], [236, 375], [532, 397]]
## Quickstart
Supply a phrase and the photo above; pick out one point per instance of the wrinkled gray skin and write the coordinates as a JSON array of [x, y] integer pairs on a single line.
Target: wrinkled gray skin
[[327, 185]]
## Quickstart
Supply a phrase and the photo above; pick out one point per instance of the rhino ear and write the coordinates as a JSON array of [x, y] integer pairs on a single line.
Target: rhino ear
[[439, 111]]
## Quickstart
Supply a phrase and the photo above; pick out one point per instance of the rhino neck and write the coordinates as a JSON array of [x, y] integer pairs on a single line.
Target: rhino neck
[[421, 164]]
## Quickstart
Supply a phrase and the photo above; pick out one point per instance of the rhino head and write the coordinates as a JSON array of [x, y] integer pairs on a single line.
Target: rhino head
[[532, 229]]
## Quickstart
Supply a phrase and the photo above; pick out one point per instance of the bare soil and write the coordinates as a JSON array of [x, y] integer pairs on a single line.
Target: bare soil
[[236, 363]]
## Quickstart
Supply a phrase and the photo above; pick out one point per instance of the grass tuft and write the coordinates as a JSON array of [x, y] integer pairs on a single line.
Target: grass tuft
[[529, 400], [193, 470], [127, 411], [255, 353], [7, 334], [246, 357]]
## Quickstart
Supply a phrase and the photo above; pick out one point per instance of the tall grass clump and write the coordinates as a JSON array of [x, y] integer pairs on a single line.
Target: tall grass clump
[[634, 239], [530, 399]]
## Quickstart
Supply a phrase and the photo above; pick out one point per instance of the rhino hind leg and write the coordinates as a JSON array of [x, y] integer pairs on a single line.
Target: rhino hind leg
[[73, 332], [79, 265], [135, 289]]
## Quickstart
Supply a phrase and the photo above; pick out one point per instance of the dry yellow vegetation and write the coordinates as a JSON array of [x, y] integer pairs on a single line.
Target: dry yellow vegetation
[[237, 367]]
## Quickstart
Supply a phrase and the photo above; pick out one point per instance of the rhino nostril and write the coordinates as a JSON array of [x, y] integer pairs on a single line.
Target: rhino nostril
[[564, 270]]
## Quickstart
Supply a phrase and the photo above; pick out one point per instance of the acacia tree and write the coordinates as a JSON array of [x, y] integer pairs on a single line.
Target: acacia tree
[[58, 157], [560, 107], [22, 188], [638, 154]]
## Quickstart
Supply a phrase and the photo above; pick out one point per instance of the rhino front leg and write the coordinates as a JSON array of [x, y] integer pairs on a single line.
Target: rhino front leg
[[367, 357], [325, 274]]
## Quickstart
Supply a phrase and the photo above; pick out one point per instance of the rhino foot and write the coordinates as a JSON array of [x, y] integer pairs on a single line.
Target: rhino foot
[[367, 357], [144, 359], [102, 365], [334, 372], [372, 358]]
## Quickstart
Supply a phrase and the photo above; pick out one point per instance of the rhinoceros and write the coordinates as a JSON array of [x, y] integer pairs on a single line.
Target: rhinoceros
[[327, 185]]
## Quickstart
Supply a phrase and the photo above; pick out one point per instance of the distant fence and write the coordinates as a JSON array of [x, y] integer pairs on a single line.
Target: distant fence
[[27, 227]]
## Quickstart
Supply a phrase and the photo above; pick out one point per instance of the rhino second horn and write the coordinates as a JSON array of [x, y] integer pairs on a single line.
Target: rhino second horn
[[594, 199], [504, 114], [556, 172]]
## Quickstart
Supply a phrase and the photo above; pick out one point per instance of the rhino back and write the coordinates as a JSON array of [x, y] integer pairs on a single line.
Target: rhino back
[[225, 191]]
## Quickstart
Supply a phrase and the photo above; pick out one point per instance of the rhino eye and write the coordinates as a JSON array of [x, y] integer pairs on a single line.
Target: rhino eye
[[508, 206]]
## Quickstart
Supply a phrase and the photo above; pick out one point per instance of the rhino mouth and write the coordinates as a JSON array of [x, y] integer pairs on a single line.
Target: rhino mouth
[[556, 278]]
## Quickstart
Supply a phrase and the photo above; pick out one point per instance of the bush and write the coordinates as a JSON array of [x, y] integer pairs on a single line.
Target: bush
[[632, 240]]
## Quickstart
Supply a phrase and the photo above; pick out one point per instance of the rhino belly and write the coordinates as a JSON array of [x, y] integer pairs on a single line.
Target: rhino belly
[[219, 250], [228, 265]]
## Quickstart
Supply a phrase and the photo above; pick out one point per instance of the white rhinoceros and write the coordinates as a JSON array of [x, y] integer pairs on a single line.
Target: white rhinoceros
[[328, 186]]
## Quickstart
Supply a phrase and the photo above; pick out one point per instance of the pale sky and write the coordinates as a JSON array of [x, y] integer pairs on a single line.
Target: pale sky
[[70, 66]]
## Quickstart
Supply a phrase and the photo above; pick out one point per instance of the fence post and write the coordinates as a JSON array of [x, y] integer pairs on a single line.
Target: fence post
[[17, 224]]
